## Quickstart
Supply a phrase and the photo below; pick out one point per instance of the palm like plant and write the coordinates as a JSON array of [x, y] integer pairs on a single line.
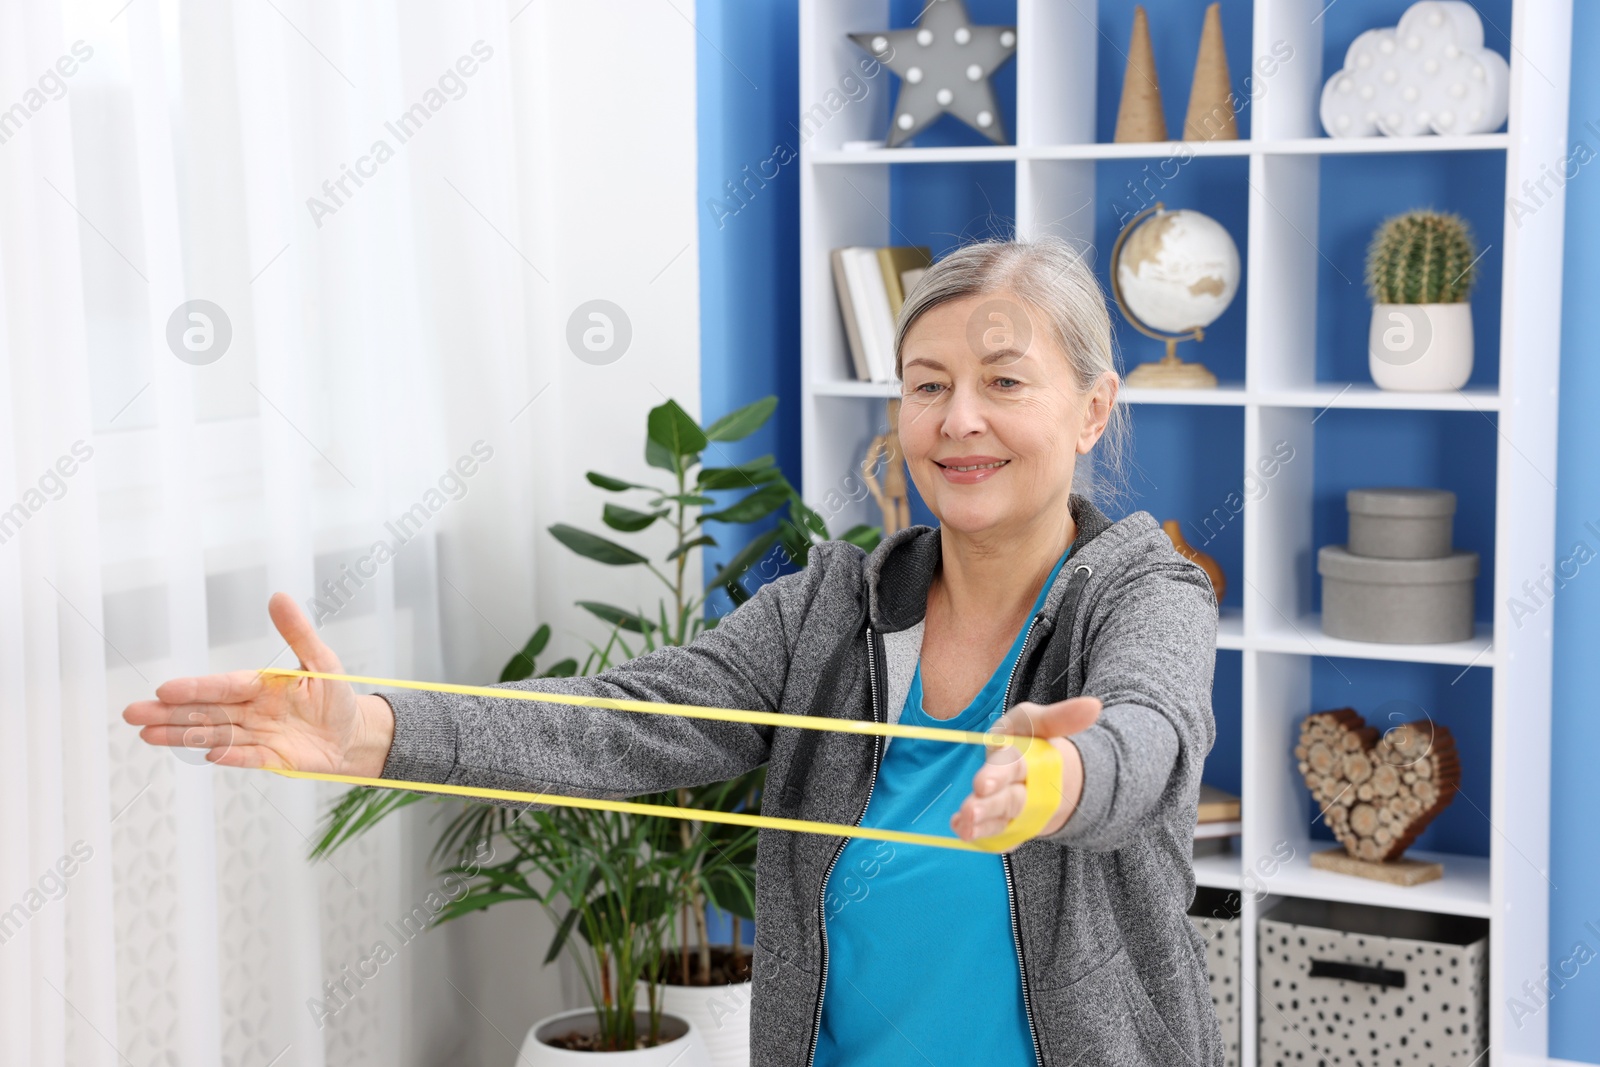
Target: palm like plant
[[619, 880]]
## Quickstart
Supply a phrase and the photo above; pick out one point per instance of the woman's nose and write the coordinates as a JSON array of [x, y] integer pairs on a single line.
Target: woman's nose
[[964, 414]]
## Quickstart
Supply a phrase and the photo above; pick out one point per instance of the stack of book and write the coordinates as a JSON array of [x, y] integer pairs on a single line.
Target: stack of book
[[1217, 823], [872, 284]]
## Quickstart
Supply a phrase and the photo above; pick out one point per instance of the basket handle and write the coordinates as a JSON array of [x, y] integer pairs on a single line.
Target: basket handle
[[1358, 972]]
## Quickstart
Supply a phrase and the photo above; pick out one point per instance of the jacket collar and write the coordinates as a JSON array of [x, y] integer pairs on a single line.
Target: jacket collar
[[901, 569]]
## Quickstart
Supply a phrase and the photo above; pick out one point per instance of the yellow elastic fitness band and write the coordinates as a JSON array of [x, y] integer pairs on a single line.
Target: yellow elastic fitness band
[[1043, 781]]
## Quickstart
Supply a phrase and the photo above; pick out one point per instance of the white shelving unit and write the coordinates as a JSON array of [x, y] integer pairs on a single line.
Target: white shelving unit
[[845, 200]]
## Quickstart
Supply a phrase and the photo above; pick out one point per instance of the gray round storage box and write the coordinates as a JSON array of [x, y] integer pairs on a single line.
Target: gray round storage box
[[1399, 601], [1400, 523]]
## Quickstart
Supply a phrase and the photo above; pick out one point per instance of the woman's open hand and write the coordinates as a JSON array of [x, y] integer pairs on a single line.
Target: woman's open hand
[[999, 788], [249, 719]]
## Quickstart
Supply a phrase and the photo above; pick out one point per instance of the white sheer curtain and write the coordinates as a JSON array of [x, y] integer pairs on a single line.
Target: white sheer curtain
[[395, 318]]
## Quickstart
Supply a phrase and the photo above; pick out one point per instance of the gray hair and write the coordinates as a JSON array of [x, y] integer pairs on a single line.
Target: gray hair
[[1055, 280]]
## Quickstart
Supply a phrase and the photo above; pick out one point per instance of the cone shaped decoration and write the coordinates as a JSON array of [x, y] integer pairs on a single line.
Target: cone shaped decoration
[[1139, 114], [1210, 116]]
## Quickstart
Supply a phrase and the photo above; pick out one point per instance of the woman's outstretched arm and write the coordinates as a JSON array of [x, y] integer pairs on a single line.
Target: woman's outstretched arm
[[245, 719]]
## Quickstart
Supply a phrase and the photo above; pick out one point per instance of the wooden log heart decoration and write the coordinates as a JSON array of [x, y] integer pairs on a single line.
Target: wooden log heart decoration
[[1377, 793]]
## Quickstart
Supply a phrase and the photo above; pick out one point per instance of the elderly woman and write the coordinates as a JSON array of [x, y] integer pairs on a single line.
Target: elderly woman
[[1026, 610]]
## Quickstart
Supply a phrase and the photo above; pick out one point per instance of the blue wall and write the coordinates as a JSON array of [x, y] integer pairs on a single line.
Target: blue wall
[[750, 326], [748, 92], [1575, 787]]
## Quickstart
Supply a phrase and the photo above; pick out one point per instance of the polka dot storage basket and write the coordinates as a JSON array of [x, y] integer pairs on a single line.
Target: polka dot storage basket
[[1215, 913], [1344, 983]]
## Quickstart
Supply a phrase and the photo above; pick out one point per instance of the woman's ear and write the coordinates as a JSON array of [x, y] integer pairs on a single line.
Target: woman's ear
[[1097, 411]]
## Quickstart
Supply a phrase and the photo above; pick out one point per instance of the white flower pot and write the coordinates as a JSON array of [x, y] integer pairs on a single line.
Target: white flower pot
[[1420, 347], [721, 1015], [684, 1049]]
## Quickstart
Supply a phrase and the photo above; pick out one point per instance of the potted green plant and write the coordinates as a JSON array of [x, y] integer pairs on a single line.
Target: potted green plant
[[704, 983], [611, 878], [668, 870], [1419, 275]]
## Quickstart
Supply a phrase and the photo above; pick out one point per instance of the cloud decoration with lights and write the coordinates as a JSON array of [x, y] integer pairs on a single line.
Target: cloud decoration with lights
[[1429, 74]]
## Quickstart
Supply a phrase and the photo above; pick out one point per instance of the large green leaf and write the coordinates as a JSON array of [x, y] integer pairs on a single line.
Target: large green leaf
[[674, 433], [867, 537], [628, 620], [660, 456], [808, 518], [742, 560], [616, 485], [703, 539], [757, 505], [627, 519], [755, 472], [522, 665], [731, 892], [592, 546], [727, 875], [741, 423], [688, 500], [796, 545], [735, 478]]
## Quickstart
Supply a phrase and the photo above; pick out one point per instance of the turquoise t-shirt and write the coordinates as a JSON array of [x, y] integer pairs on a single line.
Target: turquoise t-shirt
[[922, 965]]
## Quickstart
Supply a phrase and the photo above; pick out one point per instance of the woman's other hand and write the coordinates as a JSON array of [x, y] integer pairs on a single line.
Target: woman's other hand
[[999, 788], [249, 719]]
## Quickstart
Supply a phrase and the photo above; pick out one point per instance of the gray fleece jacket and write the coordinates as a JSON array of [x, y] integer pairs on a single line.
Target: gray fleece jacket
[[1113, 971]]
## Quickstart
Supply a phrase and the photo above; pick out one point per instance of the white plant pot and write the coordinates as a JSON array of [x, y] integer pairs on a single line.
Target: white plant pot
[[720, 1014], [1420, 347], [685, 1049]]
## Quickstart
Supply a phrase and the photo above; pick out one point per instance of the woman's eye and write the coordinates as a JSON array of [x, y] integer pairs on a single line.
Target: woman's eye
[[928, 388]]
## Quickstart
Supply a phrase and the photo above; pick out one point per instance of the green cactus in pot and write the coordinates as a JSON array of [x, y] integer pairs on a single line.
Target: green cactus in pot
[[1421, 257], [1420, 270]]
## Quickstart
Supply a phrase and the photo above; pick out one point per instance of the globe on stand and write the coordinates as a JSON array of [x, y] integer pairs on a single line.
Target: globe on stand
[[1173, 273]]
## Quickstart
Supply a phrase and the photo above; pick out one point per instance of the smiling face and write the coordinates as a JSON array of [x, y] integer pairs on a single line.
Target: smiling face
[[986, 387]]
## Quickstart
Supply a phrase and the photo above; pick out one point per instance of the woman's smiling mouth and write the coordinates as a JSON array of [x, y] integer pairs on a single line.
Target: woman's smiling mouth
[[966, 470]]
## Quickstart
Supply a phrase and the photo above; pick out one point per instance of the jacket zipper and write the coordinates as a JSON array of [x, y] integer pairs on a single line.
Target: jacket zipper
[[822, 895], [1005, 863], [1005, 857]]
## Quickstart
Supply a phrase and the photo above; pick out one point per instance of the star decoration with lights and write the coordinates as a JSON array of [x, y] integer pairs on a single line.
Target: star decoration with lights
[[944, 66]]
